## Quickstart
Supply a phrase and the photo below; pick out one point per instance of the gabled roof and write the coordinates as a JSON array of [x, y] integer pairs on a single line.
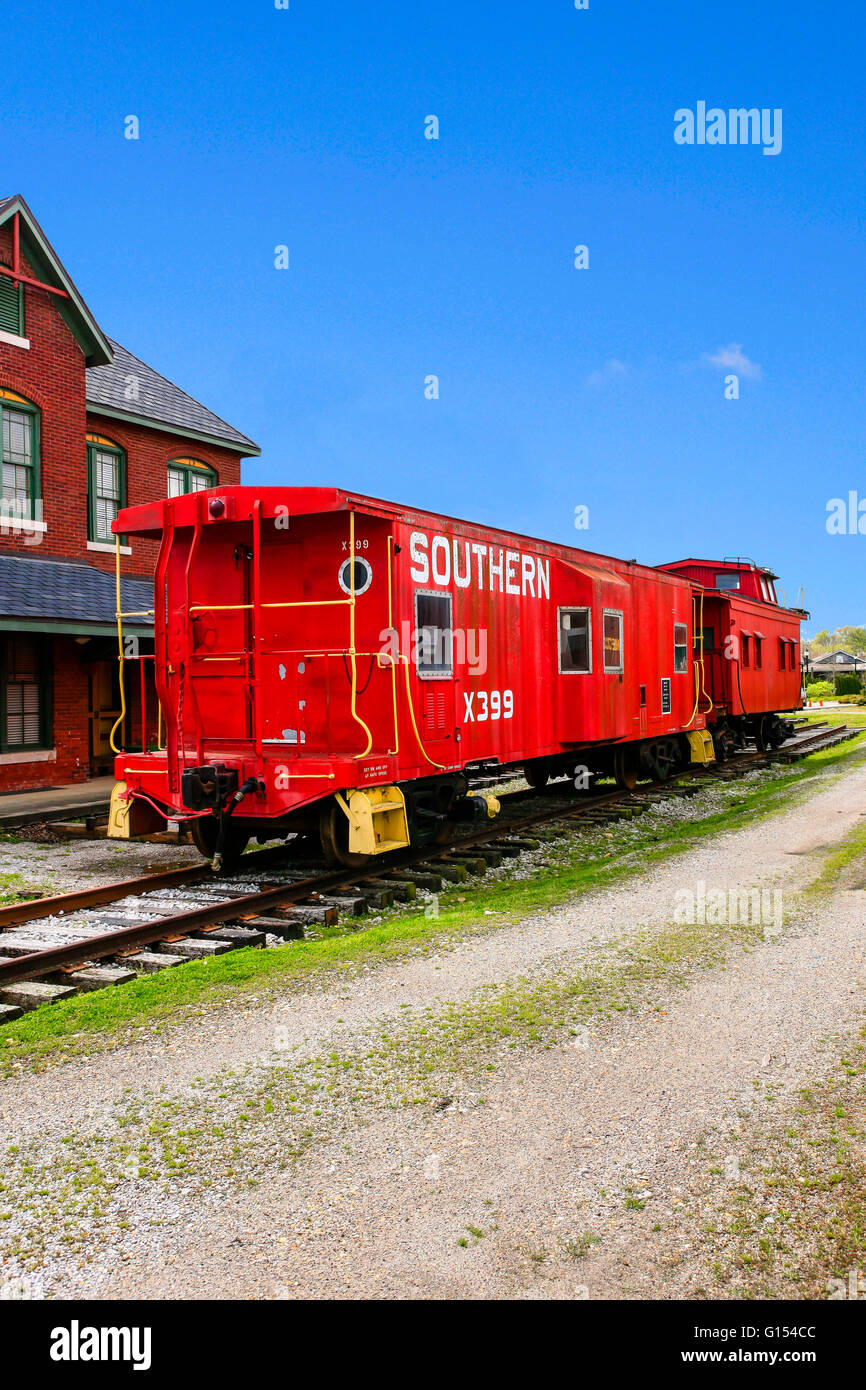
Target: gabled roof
[[52, 592], [50, 269], [159, 402], [109, 366], [832, 658]]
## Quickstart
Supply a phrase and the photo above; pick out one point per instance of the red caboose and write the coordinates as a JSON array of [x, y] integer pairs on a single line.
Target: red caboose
[[331, 662], [751, 651]]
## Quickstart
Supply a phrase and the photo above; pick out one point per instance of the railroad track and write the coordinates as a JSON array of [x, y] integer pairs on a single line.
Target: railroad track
[[52, 948]]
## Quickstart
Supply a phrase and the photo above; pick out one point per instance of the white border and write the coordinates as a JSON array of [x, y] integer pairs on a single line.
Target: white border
[[105, 549], [357, 559], [14, 340]]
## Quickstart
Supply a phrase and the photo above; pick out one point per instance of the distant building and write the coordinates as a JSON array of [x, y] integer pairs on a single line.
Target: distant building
[[836, 664], [87, 428]]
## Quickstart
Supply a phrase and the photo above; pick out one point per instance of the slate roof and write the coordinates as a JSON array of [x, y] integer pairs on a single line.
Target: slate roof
[[831, 661], [66, 592], [158, 400]]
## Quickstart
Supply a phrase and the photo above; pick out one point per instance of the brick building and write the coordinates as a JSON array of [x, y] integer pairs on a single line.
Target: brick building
[[87, 428]]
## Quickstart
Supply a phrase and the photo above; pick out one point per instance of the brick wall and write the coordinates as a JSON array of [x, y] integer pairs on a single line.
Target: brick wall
[[51, 374], [148, 452]]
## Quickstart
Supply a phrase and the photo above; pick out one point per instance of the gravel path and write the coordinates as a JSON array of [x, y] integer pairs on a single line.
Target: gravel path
[[591, 1137]]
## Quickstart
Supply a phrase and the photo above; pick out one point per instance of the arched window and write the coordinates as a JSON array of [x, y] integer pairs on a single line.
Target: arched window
[[189, 475], [106, 487], [20, 431]]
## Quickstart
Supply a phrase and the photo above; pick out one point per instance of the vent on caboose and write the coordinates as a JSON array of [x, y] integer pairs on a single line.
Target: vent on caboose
[[434, 711]]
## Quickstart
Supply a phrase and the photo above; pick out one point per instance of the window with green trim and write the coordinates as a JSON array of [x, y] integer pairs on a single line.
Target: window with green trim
[[20, 431], [11, 306], [25, 694], [106, 489], [189, 475]]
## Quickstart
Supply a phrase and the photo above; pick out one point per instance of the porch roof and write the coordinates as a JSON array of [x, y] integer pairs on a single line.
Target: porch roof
[[64, 596]]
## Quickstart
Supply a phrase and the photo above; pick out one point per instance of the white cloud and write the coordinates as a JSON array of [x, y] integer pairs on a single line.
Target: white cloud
[[612, 368], [733, 359]]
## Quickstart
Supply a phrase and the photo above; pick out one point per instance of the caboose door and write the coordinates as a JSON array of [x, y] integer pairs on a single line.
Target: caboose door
[[434, 659]]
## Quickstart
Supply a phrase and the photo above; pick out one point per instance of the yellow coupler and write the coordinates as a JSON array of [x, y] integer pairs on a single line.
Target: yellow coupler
[[127, 819], [701, 744], [377, 819]]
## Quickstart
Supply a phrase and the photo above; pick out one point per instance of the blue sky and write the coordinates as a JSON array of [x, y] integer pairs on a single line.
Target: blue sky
[[410, 257]]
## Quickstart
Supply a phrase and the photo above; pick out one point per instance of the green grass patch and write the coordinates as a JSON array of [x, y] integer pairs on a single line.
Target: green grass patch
[[835, 869], [15, 889], [799, 1230]]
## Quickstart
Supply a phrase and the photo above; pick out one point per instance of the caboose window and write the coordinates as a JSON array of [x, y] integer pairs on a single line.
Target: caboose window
[[728, 580], [681, 647], [434, 651], [612, 639], [360, 572], [745, 650], [575, 640], [759, 646]]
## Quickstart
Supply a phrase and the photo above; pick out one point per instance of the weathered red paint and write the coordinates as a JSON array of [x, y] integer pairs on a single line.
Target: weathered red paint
[[267, 689]]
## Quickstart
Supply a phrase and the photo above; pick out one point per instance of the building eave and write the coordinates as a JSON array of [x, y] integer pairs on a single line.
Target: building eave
[[93, 342], [69, 629], [247, 450]]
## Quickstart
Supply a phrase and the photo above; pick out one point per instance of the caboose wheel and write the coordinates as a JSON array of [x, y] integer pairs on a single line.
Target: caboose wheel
[[334, 838], [536, 775], [664, 756], [204, 831], [445, 834], [723, 744], [625, 768]]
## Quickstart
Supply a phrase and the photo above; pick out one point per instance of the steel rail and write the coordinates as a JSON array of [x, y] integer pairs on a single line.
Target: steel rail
[[60, 903], [140, 934]]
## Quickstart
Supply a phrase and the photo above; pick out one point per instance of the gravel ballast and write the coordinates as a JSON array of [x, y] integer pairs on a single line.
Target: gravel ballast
[[538, 1169]]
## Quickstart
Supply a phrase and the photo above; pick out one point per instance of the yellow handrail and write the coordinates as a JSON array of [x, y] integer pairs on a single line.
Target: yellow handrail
[[355, 715], [237, 607], [442, 766], [302, 603], [120, 658], [396, 749]]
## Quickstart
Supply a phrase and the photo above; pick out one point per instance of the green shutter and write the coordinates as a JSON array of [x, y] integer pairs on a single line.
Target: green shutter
[[10, 306]]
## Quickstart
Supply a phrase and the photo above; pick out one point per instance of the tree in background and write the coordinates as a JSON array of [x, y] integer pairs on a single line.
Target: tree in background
[[846, 639]]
